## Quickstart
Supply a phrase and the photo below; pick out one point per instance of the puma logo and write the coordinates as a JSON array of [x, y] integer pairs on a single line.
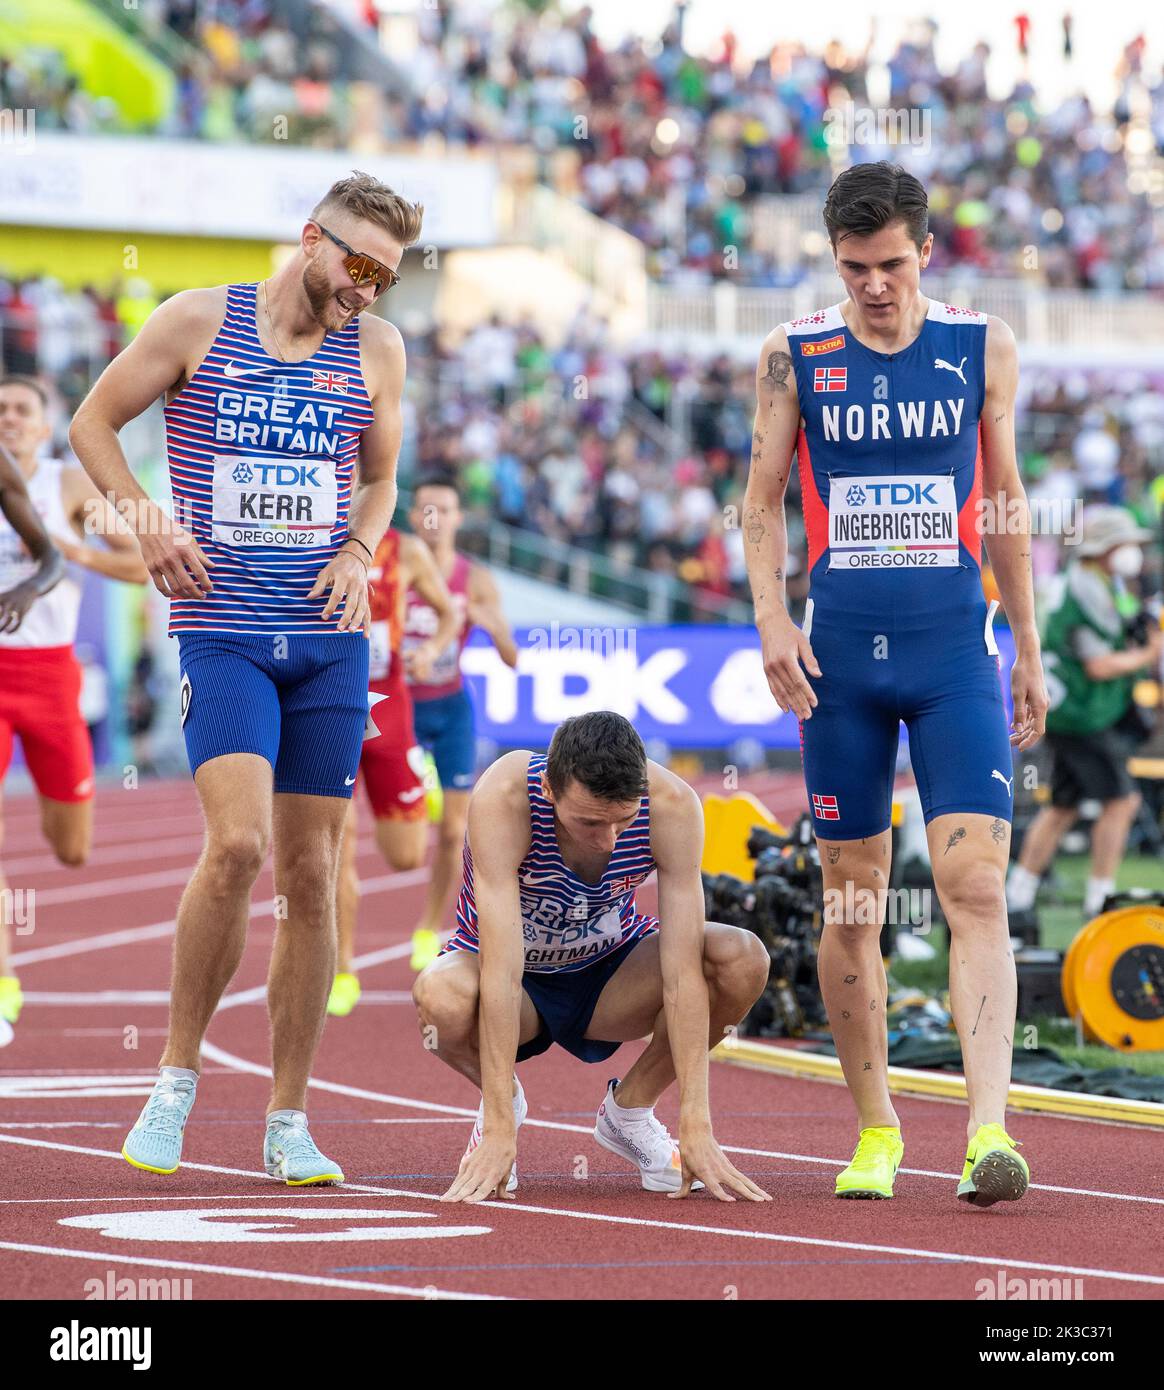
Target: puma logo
[[994, 772], [949, 367]]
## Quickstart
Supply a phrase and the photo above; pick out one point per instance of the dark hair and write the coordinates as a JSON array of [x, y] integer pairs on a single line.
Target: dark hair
[[868, 197], [437, 479], [603, 752], [19, 379]]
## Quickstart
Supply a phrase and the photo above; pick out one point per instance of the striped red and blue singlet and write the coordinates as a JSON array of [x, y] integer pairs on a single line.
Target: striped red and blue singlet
[[567, 923], [262, 455]]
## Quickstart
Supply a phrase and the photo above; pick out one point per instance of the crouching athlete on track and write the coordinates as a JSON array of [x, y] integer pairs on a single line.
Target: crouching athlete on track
[[549, 949]]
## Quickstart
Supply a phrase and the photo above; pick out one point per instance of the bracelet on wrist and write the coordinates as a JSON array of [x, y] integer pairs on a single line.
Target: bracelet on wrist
[[359, 543]]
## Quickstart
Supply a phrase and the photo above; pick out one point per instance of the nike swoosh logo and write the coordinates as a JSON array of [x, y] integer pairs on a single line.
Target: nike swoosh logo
[[412, 795], [531, 882], [349, 781], [231, 370]]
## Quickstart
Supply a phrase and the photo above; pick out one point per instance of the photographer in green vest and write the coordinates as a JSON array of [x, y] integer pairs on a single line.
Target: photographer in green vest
[[1097, 642]]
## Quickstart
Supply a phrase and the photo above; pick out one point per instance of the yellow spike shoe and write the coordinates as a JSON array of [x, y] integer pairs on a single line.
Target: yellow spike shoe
[[345, 994], [875, 1164], [995, 1171], [426, 946], [11, 999]]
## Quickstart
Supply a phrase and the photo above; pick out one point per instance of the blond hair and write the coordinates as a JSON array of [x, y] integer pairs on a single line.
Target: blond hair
[[365, 197]]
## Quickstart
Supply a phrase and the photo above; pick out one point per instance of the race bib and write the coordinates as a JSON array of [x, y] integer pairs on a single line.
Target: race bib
[[380, 651], [893, 523], [273, 501]]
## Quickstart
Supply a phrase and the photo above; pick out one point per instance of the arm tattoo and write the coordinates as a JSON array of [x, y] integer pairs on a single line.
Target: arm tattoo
[[779, 365], [754, 528], [779, 576]]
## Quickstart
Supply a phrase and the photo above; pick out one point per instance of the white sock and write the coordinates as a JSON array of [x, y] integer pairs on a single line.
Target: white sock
[[634, 1111], [1097, 890], [179, 1074], [287, 1117], [1021, 887]]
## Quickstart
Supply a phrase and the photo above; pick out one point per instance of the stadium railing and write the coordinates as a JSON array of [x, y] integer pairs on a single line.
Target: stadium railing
[[1061, 318]]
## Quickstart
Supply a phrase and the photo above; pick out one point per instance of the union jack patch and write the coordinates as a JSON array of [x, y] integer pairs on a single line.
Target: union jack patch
[[329, 381]]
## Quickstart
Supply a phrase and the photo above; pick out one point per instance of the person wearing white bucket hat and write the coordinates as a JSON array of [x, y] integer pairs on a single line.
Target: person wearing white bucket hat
[[1091, 660]]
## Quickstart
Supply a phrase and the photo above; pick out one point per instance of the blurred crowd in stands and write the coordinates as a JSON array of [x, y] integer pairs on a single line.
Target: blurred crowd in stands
[[674, 148], [639, 456]]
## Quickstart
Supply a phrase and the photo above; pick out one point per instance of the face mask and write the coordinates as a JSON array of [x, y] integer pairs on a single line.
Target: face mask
[[1126, 560]]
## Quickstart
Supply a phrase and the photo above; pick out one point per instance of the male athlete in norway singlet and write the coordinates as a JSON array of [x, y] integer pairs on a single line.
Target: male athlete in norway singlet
[[281, 398], [391, 763], [900, 411]]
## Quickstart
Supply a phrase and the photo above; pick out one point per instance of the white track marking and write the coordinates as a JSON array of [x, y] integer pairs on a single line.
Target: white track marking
[[95, 998], [109, 853], [131, 936], [333, 1194], [274, 1276], [940, 1256], [370, 958], [217, 1054], [385, 883]]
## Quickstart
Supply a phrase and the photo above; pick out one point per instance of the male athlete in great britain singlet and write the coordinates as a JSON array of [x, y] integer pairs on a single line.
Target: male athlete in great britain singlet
[[550, 949], [283, 426], [900, 411]]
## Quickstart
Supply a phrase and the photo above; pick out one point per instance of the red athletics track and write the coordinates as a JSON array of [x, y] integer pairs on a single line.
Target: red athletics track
[[97, 965]]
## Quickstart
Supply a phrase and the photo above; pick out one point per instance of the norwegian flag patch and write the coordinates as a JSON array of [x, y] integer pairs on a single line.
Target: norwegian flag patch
[[329, 381], [830, 378], [825, 807]]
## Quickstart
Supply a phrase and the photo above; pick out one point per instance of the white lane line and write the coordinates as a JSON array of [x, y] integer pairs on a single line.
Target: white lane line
[[366, 961], [105, 942], [235, 1272], [940, 1256], [89, 998], [333, 1195], [228, 1059], [61, 1124], [385, 883], [106, 855], [144, 883]]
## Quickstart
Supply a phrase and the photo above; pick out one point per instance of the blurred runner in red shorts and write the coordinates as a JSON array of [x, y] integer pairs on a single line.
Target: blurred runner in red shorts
[[392, 764], [40, 678]]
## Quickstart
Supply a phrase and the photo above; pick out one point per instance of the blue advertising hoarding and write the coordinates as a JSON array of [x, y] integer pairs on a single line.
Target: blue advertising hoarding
[[693, 687]]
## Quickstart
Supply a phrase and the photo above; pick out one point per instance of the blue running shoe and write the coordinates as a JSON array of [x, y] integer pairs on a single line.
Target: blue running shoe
[[289, 1152], [155, 1142]]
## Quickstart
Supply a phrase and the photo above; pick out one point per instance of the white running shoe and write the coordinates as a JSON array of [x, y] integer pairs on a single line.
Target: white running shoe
[[520, 1111], [635, 1134]]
